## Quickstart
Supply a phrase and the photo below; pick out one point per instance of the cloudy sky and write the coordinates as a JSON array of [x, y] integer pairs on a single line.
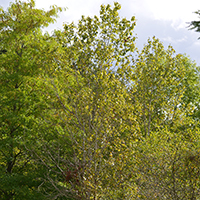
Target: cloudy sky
[[165, 19]]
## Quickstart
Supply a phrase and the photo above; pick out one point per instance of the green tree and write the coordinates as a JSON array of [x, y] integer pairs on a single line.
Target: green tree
[[195, 24], [28, 56], [166, 157], [85, 115], [191, 83], [168, 164], [158, 81], [95, 109], [107, 99]]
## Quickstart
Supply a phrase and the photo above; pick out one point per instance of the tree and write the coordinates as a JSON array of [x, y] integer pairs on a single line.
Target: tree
[[102, 99], [25, 60], [158, 85], [88, 116], [168, 164], [166, 157], [195, 24], [95, 110]]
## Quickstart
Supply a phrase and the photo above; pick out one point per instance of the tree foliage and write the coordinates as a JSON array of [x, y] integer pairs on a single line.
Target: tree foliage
[[85, 115], [26, 59], [195, 24]]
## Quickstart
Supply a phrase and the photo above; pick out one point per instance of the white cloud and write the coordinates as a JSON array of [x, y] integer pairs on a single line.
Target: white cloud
[[75, 8], [173, 40], [197, 43], [172, 9]]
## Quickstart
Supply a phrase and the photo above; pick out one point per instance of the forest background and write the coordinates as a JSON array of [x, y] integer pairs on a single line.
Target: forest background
[[86, 115]]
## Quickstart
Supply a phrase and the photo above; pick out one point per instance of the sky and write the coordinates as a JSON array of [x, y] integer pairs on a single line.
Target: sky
[[165, 19]]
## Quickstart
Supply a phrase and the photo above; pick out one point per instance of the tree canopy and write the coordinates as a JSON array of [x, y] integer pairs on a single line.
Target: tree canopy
[[195, 24], [86, 115]]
